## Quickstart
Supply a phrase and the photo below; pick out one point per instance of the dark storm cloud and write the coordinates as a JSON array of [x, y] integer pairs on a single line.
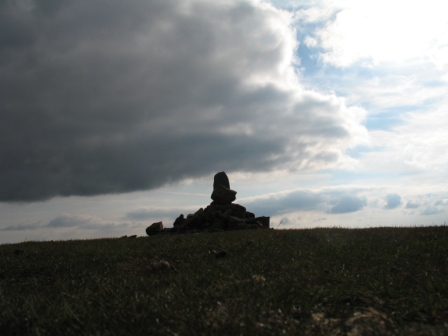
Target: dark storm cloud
[[109, 96], [392, 201]]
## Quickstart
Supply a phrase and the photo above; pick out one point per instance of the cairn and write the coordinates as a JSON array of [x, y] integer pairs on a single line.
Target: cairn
[[220, 215]]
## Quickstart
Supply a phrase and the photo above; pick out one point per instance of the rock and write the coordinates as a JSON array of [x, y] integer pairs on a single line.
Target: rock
[[223, 195], [154, 228], [235, 222], [197, 220], [263, 220], [199, 212], [213, 208], [217, 225], [160, 265], [179, 220], [249, 215], [238, 210], [221, 179]]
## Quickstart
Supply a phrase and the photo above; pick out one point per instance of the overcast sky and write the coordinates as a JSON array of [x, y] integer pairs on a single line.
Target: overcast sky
[[117, 114]]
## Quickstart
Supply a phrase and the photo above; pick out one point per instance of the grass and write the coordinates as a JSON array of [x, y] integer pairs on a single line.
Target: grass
[[270, 282]]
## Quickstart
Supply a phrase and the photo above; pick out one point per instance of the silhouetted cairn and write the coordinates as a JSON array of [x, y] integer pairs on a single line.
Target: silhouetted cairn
[[220, 215]]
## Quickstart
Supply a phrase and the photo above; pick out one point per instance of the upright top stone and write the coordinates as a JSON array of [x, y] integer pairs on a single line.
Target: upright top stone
[[222, 194], [221, 179]]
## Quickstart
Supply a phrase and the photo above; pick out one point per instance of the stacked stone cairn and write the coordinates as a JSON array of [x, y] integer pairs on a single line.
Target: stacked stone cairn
[[221, 215]]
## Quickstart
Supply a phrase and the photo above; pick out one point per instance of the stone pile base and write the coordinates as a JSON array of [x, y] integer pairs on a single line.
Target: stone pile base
[[215, 217]]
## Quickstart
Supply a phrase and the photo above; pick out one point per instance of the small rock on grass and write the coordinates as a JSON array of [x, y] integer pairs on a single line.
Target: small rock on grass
[[154, 229], [160, 265]]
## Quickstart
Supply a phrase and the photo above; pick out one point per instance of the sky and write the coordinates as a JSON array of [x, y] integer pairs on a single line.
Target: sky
[[115, 115]]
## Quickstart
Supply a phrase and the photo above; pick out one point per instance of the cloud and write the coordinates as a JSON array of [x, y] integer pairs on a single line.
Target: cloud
[[83, 222], [431, 210], [368, 33], [392, 201], [442, 202], [348, 204], [284, 202], [328, 200], [412, 205], [67, 221], [140, 214], [100, 97], [153, 213], [22, 227]]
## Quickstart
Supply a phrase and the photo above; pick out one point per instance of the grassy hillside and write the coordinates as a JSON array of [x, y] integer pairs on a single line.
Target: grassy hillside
[[262, 282]]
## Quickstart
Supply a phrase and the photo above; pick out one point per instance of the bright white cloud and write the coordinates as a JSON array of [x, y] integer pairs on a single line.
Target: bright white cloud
[[419, 146], [424, 141], [382, 31]]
